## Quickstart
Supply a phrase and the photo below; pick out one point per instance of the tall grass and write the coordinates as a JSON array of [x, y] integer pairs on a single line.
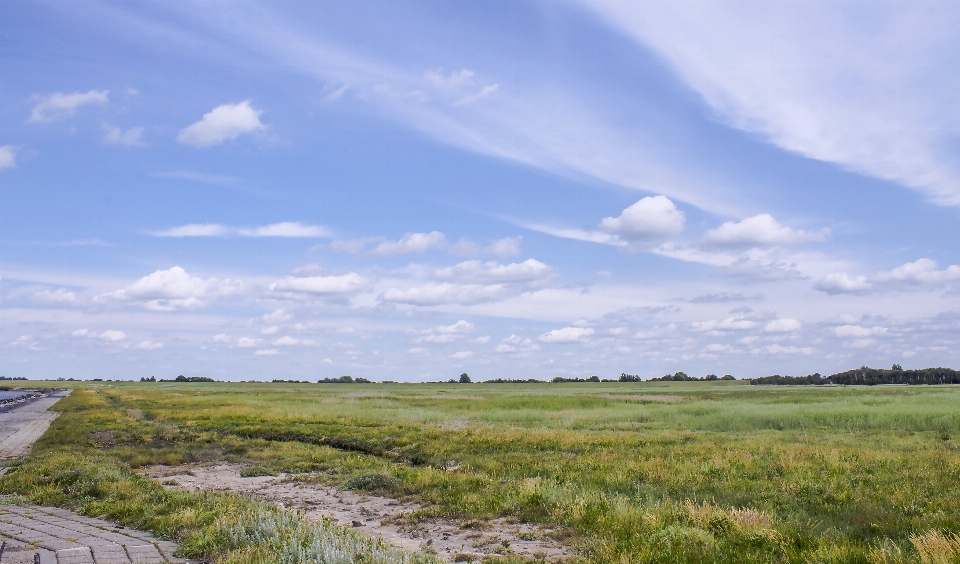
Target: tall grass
[[729, 473]]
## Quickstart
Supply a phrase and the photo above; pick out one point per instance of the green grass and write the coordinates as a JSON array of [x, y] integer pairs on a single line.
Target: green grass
[[729, 473]]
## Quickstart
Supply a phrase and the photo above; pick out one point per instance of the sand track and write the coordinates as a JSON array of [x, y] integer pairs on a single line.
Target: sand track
[[373, 516]]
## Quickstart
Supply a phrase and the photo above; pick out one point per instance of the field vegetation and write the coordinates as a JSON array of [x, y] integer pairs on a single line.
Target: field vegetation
[[710, 471]]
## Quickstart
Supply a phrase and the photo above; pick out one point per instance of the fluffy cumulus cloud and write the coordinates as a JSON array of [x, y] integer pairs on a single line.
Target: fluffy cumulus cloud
[[411, 243], [922, 273], [321, 285], [247, 342], [58, 106], [517, 345], [506, 247], [650, 220], [461, 355], [286, 342], [783, 326], [112, 336], [759, 231], [224, 123], [492, 272], [446, 333], [8, 156], [567, 335], [148, 346], [174, 289]]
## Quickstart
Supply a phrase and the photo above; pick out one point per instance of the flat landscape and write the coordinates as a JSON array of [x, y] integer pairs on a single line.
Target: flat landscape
[[611, 472]]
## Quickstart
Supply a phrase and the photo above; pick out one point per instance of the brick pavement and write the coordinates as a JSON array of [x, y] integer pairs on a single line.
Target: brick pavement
[[47, 535]]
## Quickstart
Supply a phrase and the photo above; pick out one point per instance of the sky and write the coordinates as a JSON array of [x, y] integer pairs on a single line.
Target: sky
[[514, 189]]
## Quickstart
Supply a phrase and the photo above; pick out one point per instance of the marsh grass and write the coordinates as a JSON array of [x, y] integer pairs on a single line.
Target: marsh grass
[[727, 473]]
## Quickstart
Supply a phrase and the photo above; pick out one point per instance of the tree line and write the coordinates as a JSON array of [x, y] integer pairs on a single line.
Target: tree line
[[865, 376]]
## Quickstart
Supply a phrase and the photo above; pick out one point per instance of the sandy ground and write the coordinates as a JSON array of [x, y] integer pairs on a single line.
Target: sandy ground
[[371, 515]]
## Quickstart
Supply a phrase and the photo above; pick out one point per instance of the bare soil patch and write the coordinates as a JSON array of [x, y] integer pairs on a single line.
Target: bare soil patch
[[372, 515]]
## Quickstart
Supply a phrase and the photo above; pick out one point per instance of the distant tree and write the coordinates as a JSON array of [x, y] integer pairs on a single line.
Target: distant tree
[[711, 377], [727, 377], [624, 377], [464, 378], [897, 368], [150, 379]]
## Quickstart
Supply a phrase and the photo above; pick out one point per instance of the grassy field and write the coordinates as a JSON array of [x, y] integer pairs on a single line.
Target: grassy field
[[642, 472]]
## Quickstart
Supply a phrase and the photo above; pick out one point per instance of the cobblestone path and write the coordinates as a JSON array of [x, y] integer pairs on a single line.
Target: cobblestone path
[[46, 535]]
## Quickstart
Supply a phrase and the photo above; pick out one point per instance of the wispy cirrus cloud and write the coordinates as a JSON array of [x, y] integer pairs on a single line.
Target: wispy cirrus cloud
[[283, 229]]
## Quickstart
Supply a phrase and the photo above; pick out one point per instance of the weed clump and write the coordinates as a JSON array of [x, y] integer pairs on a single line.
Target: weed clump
[[255, 471], [371, 482]]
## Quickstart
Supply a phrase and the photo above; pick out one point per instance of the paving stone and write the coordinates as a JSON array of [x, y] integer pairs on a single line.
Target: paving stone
[[144, 554], [80, 555]]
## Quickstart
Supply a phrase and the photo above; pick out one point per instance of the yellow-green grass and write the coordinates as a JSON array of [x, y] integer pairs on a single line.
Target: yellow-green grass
[[641, 472]]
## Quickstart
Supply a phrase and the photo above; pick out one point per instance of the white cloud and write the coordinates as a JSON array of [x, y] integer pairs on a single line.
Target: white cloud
[[811, 77], [462, 354], [506, 247], [718, 348], [418, 350], [922, 273], [148, 346], [446, 333], [567, 335], [278, 315], [58, 105], [26, 342], [332, 285], [432, 294], [60, 295], [650, 220], [840, 283], [221, 338], [282, 229], [113, 135], [454, 79], [247, 342], [269, 330], [776, 349], [783, 326], [286, 342], [759, 231], [8, 156], [517, 345], [194, 230], [483, 339], [728, 324], [476, 271], [756, 270], [112, 336], [287, 229], [80, 332], [411, 243], [266, 352], [223, 123], [483, 93], [575, 234], [856, 331], [174, 289]]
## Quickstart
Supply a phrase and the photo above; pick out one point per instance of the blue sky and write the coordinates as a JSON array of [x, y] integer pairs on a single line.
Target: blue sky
[[411, 190]]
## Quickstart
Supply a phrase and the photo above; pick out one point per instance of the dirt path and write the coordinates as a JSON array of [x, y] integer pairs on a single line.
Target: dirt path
[[22, 424], [371, 515]]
